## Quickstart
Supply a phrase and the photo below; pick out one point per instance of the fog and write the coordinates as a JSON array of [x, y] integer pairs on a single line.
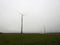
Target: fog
[[40, 16]]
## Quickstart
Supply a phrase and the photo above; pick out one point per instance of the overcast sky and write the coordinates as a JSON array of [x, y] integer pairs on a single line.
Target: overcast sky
[[39, 15]]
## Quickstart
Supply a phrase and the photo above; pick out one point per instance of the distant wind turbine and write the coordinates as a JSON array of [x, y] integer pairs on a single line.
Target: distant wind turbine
[[44, 29]]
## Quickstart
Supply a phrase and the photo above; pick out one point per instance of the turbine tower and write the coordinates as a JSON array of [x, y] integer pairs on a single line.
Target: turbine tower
[[21, 22]]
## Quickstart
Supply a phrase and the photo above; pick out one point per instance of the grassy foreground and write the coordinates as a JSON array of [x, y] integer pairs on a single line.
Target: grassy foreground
[[30, 39]]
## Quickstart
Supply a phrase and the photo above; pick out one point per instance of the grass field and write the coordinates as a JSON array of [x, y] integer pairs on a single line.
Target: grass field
[[30, 39]]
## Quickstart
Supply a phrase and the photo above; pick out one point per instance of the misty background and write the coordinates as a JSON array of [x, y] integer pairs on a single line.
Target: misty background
[[39, 15]]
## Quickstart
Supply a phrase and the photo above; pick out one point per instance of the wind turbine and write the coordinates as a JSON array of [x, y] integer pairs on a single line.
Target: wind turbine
[[44, 29], [21, 22]]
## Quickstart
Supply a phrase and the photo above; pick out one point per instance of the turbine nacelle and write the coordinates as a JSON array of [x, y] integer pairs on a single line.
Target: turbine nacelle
[[20, 13]]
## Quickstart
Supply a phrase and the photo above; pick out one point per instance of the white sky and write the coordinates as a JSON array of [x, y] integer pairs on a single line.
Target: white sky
[[37, 14]]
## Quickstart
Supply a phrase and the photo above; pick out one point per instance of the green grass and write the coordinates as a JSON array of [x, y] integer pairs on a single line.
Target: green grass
[[30, 39]]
